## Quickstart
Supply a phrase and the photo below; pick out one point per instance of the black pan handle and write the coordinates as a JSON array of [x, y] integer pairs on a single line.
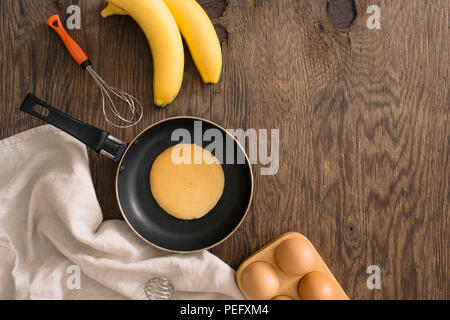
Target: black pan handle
[[99, 140]]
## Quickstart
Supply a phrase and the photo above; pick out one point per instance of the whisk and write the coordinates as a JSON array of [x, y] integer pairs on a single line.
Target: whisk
[[159, 289], [108, 92]]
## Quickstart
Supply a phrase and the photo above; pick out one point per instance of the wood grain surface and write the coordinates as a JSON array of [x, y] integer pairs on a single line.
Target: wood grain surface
[[363, 118]]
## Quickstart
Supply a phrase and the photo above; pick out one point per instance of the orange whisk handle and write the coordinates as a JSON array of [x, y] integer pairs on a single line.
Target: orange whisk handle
[[77, 53]]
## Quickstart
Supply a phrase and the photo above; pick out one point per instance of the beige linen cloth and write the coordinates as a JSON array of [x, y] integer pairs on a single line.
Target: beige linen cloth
[[50, 220]]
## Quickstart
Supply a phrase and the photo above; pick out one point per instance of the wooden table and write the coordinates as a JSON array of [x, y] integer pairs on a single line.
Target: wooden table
[[363, 118]]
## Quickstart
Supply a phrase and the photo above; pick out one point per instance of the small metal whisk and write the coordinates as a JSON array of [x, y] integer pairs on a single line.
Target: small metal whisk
[[133, 103], [159, 289], [108, 92]]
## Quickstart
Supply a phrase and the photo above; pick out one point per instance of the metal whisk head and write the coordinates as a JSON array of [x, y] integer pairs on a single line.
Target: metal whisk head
[[159, 289], [108, 94]]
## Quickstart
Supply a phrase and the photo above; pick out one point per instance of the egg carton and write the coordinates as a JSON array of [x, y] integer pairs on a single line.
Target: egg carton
[[288, 268]]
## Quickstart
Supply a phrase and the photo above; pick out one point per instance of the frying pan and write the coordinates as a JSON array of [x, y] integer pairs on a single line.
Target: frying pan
[[136, 202]]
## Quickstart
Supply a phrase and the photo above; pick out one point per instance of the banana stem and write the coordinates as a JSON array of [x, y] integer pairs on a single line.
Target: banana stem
[[112, 9]]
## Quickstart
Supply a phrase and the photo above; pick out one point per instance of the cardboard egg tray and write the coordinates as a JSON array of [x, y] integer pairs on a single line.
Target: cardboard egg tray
[[288, 284]]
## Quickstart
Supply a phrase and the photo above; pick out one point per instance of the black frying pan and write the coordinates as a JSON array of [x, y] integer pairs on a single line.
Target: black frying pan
[[134, 197]]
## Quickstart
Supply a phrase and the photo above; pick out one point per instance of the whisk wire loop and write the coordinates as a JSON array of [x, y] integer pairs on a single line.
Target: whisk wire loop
[[106, 90]]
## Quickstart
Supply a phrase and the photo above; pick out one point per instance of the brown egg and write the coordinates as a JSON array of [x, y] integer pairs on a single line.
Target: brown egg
[[260, 281], [283, 298], [316, 286], [295, 256]]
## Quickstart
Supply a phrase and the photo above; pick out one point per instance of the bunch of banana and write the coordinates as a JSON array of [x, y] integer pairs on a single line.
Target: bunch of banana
[[162, 21]]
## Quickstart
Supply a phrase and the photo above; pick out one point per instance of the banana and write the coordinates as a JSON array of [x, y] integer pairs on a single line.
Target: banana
[[164, 38], [200, 36]]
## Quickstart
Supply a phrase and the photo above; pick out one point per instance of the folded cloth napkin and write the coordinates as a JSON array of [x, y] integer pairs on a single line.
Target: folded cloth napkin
[[51, 231]]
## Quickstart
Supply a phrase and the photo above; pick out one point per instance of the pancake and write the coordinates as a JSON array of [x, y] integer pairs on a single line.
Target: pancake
[[187, 186]]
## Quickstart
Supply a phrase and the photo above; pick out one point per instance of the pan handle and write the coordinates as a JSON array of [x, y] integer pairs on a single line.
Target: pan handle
[[99, 140]]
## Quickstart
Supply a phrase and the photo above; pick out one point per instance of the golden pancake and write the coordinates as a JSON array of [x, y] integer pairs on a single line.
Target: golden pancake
[[187, 181]]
